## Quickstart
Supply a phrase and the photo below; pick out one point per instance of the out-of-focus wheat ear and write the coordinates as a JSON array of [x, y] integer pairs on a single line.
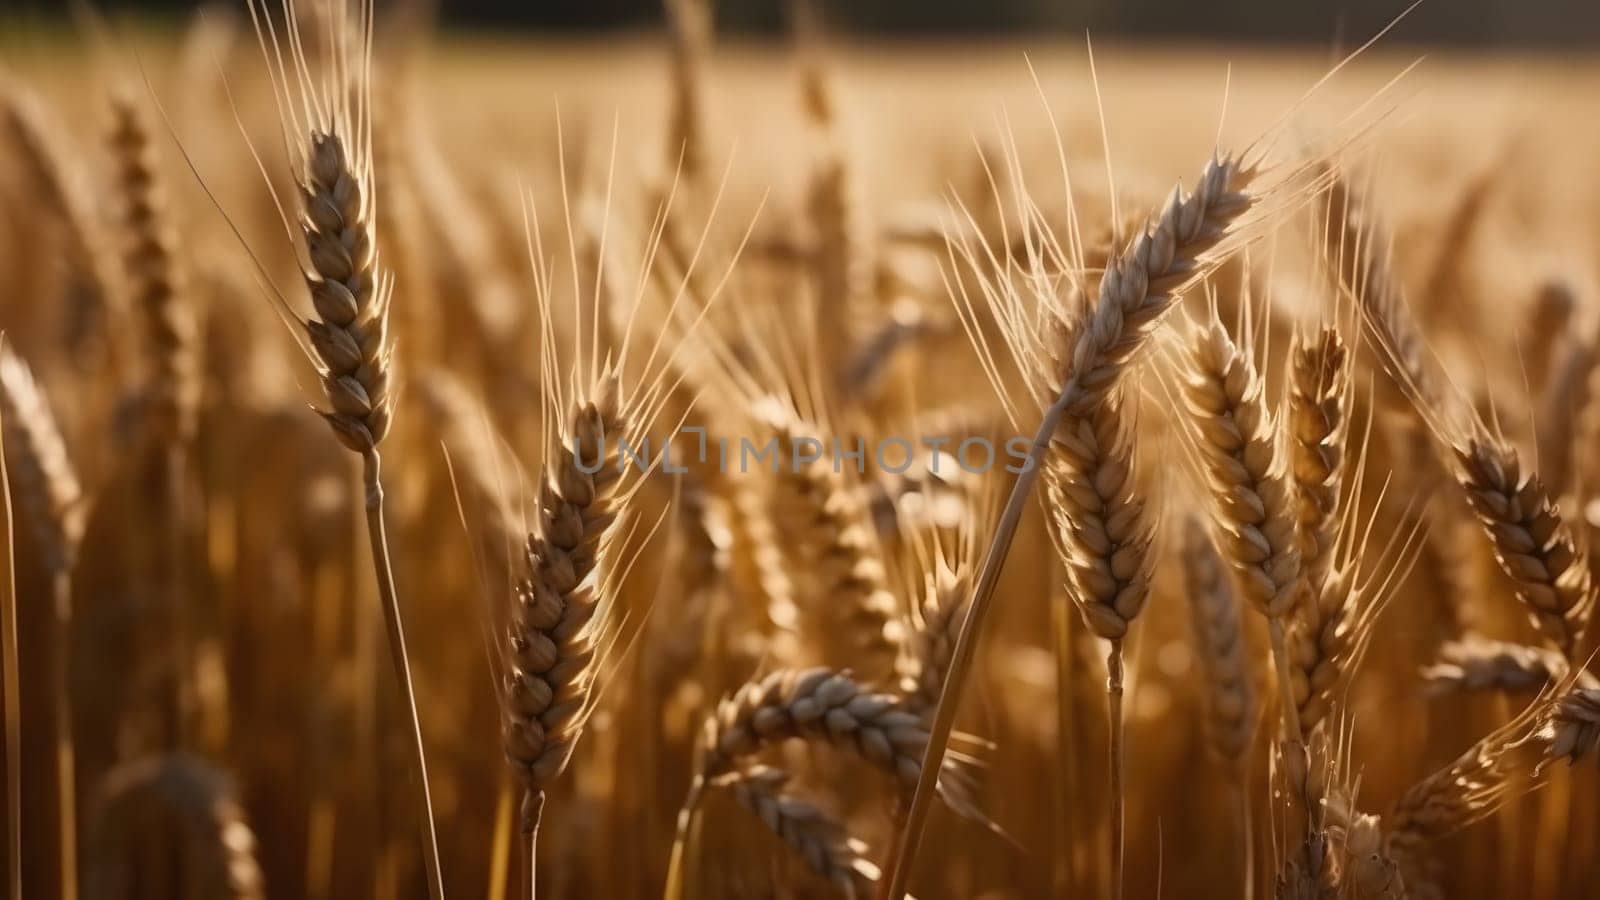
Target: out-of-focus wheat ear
[[689, 25], [830, 543], [174, 815], [1573, 731], [1223, 647], [40, 475], [1492, 772], [1357, 248], [1533, 543], [1553, 307], [154, 277], [1449, 277], [1477, 663], [96, 307], [927, 658], [1365, 870], [822, 841], [1318, 419], [1567, 418]]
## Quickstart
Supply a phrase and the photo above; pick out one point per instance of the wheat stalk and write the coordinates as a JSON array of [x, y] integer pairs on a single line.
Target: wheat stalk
[[52, 503], [327, 126], [1104, 536], [1136, 291]]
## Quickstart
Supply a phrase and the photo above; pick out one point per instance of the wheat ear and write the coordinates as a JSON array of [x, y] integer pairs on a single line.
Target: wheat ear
[[1574, 728], [815, 704], [831, 546], [1246, 472], [1223, 648], [52, 503], [1319, 408], [154, 277], [929, 645], [1104, 536], [1532, 542], [1136, 292], [815, 836], [47, 162], [327, 126], [557, 627], [179, 807], [1477, 663], [1229, 686], [1493, 771]]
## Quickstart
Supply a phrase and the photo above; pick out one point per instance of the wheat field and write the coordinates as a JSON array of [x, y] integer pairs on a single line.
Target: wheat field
[[673, 465]]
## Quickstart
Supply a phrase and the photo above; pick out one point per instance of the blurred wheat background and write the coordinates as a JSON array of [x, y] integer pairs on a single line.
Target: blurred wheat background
[[1298, 605]]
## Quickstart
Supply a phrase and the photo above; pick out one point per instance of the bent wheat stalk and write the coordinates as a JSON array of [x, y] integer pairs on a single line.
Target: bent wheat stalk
[[1136, 292]]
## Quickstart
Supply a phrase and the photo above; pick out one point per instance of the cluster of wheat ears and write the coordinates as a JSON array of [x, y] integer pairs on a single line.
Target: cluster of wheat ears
[[1276, 592]]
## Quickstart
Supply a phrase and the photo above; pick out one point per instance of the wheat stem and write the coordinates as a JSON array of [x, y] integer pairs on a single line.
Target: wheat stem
[[1136, 292], [9, 670], [1114, 722], [687, 814], [371, 464], [61, 697]]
